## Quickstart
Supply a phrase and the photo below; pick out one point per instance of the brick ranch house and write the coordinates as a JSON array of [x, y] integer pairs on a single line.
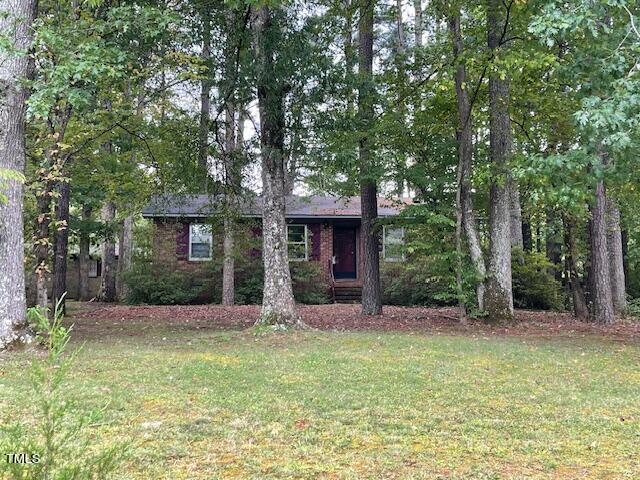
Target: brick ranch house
[[321, 229]]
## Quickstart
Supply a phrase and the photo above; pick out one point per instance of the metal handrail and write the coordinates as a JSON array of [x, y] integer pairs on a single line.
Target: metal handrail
[[332, 281]]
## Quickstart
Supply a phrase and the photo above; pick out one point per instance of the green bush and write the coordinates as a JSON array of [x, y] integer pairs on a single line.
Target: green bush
[[152, 285], [421, 280], [309, 286], [534, 285]]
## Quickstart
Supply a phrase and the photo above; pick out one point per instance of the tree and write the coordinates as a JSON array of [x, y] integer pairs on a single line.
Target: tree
[[16, 18], [465, 152], [498, 297], [369, 230], [278, 304]]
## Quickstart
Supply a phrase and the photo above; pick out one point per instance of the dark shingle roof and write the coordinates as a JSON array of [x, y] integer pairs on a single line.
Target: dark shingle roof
[[296, 206]]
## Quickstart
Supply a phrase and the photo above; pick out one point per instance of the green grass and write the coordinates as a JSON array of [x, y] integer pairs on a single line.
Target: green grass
[[214, 405]]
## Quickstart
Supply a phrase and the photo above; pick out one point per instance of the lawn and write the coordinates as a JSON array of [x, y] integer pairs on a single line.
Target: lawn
[[208, 403]]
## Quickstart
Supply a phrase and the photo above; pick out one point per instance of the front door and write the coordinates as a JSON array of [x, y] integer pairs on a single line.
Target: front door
[[344, 249]]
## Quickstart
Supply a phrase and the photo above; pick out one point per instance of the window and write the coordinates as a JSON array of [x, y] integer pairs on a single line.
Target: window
[[93, 268], [393, 244], [297, 240], [200, 242]]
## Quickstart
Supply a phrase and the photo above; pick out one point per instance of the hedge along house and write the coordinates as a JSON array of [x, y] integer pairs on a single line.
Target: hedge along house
[[320, 229]]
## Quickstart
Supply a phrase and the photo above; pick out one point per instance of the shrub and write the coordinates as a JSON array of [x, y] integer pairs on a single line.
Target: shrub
[[58, 440], [534, 285], [309, 286], [150, 284]]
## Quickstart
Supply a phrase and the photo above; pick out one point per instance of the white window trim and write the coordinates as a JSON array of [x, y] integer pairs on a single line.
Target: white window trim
[[306, 242], [384, 244], [200, 259]]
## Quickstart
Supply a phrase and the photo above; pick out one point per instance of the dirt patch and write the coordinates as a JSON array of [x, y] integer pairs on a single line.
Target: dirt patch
[[96, 318]]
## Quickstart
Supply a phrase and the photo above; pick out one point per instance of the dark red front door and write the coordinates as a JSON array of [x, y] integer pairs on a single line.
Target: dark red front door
[[344, 249]]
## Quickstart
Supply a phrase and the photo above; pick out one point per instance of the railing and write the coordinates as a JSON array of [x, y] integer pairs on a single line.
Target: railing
[[332, 281]]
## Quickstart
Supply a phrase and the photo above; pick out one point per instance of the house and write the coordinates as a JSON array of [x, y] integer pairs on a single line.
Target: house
[[321, 229]]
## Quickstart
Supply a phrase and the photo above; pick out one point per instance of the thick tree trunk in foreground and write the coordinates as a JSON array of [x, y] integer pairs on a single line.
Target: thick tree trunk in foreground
[[107, 291], [465, 156], [498, 297], [61, 244], [371, 292], [603, 311], [278, 304], [579, 301], [16, 25], [616, 257], [83, 258], [125, 255]]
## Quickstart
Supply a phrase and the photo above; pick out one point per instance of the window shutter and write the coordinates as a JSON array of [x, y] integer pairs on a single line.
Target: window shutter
[[182, 241], [314, 230]]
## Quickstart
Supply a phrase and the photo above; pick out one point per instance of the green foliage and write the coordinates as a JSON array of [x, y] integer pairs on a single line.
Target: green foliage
[[56, 434], [155, 285], [534, 285], [309, 285]]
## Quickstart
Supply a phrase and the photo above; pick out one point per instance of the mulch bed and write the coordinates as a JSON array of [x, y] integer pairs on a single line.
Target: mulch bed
[[95, 316]]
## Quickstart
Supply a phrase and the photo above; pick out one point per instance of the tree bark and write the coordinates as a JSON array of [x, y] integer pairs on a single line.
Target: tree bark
[[205, 94], [579, 301], [14, 69], [498, 297], [371, 292], [228, 264], [125, 255], [417, 6], [465, 156], [83, 258], [61, 245], [616, 262], [41, 244], [278, 304], [527, 237], [552, 243], [603, 311], [107, 291]]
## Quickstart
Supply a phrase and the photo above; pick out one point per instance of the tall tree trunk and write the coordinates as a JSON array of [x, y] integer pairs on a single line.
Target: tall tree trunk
[[616, 262], [278, 304], [228, 264], [371, 292], [107, 291], [552, 243], [83, 258], [498, 297], [15, 23], [579, 301], [125, 255], [603, 311], [465, 156], [400, 40], [205, 93], [527, 236], [417, 29], [41, 244], [61, 244]]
